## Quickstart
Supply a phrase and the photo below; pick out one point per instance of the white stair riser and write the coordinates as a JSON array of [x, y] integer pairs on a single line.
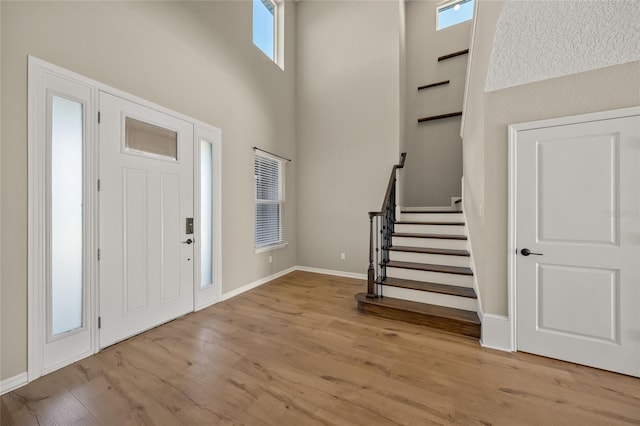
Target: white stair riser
[[431, 217], [429, 276], [432, 259], [430, 243], [439, 299], [430, 229]]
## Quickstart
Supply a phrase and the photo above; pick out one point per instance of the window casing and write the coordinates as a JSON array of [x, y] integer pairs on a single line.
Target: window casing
[[269, 201], [453, 13]]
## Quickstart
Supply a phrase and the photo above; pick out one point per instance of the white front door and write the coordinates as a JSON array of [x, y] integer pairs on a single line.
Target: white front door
[[578, 213], [145, 197]]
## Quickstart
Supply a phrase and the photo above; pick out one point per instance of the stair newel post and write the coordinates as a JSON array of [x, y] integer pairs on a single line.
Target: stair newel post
[[371, 279]]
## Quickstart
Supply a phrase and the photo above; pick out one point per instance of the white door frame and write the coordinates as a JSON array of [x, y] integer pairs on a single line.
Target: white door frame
[[37, 192], [512, 196]]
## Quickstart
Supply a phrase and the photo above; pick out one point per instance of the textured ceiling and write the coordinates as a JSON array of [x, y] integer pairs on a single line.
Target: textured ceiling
[[538, 40]]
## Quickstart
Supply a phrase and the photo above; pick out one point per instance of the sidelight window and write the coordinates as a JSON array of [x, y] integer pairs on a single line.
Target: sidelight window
[[66, 223]]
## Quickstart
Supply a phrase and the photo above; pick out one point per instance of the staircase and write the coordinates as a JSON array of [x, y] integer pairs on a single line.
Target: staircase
[[423, 273]]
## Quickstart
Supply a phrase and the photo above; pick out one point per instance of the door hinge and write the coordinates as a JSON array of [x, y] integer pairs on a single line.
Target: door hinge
[[99, 254], [99, 322], [98, 117], [98, 184]]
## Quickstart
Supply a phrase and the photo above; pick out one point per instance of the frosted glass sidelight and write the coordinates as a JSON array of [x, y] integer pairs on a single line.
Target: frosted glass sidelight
[[66, 215], [148, 138], [206, 214]]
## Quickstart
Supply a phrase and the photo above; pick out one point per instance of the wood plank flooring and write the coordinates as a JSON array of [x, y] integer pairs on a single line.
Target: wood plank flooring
[[296, 352]]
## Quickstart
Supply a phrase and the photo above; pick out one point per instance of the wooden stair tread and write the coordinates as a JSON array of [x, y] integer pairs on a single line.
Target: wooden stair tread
[[428, 250], [430, 211], [442, 318], [438, 236], [452, 290], [446, 269], [411, 222]]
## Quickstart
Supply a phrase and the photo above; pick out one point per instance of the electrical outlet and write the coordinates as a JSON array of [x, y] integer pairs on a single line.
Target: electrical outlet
[[270, 259], [342, 256]]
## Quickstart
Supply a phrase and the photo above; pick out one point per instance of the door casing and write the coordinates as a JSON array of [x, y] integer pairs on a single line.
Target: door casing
[[36, 296]]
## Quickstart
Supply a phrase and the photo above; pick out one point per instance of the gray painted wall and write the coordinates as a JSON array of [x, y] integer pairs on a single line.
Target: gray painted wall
[[485, 137], [348, 125], [193, 57], [434, 150], [487, 13]]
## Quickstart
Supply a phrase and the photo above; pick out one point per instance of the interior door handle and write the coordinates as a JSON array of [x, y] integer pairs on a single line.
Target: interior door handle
[[189, 241], [527, 252]]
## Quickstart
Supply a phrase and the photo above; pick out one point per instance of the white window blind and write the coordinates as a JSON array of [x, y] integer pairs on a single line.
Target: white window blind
[[269, 200]]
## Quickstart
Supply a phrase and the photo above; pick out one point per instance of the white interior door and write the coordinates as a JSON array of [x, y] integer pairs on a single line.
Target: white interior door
[[578, 212], [146, 196]]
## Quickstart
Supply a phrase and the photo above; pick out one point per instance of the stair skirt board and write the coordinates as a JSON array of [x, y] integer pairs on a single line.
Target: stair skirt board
[[429, 276], [432, 259], [431, 217], [447, 300], [429, 243], [429, 229]]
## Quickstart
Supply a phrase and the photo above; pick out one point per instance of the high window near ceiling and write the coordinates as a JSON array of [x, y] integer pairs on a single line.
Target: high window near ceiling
[[453, 13], [268, 29]]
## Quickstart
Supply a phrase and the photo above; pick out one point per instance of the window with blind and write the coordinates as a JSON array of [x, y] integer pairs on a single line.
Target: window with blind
[[269, 194]]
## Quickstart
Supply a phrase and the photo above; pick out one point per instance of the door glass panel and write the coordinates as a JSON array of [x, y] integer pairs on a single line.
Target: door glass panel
[[66, 215], [206, 216], [150, 139]]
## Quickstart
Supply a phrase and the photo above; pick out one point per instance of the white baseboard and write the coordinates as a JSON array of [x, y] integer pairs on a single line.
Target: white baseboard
[[476, 284], [13, 383], [261, 281], [496, 332], [332, 272], [228, 295]]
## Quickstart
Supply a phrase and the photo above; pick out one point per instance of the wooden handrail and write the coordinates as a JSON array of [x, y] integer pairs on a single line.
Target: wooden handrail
[[439, 117], [386, 221], [392, 181], [453, 55]]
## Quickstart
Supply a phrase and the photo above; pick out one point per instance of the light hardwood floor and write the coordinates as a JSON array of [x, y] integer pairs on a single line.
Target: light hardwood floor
[[296, 352]]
